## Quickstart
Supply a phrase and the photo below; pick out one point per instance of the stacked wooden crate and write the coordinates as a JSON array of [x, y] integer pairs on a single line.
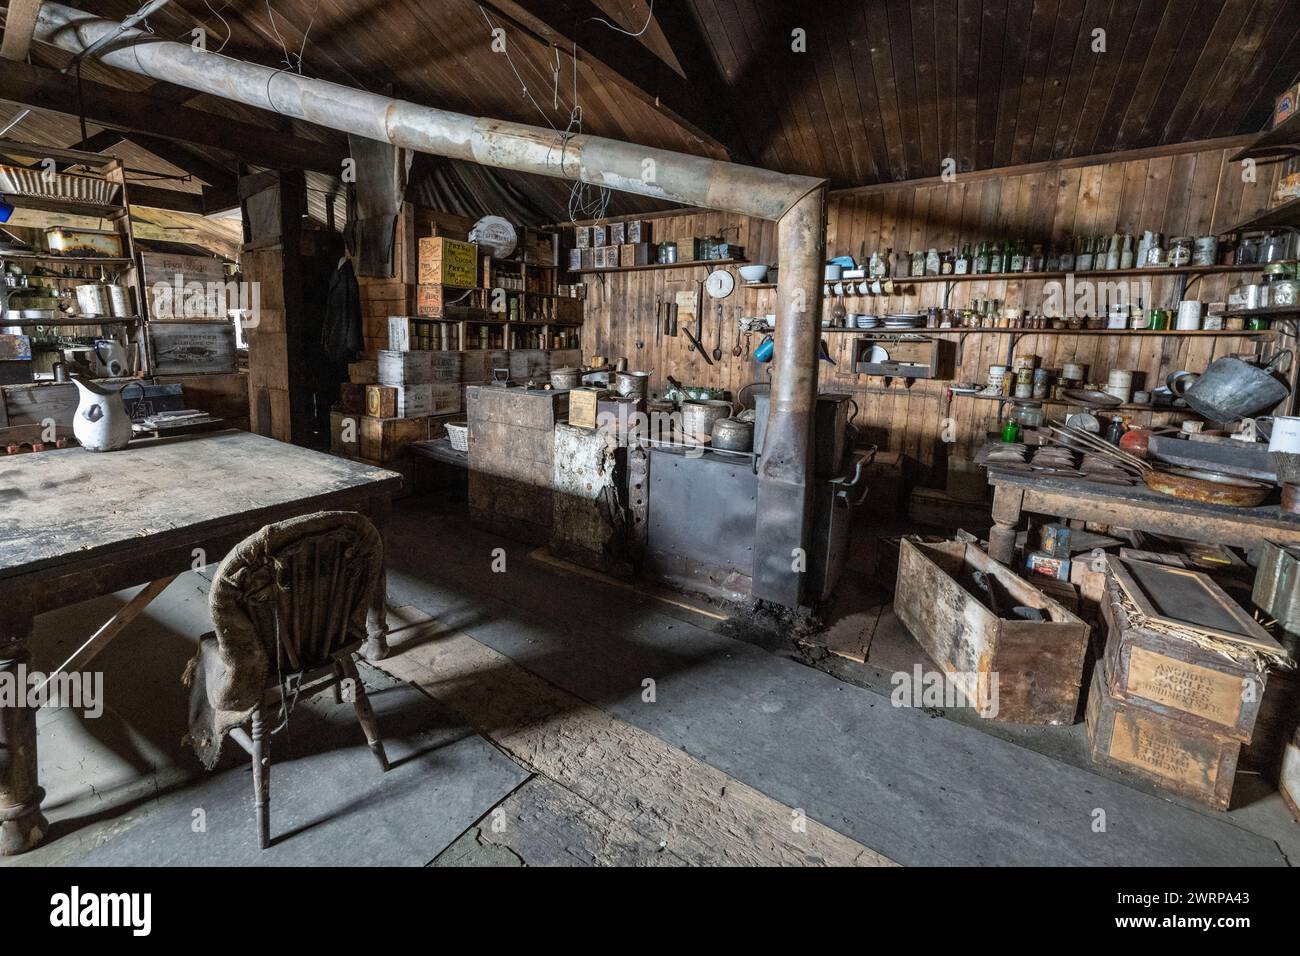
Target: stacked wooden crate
[[511, 458], [1175, 705]]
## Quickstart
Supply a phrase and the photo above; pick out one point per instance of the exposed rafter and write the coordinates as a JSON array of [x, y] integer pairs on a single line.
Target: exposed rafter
[[625, 59], [20, 21], [46, 89]]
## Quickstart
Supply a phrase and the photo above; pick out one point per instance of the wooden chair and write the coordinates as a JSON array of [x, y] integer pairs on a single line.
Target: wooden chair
[[289, 604]]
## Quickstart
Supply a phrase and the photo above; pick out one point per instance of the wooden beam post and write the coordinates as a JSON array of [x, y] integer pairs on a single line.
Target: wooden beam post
[[20, 22]]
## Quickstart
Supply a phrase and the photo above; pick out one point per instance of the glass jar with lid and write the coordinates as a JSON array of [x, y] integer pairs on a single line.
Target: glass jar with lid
[[1180, 251]]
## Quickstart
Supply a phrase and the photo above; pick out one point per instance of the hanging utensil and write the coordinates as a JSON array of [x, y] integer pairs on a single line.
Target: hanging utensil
[[717, 339], [695, 343], [735, 349]]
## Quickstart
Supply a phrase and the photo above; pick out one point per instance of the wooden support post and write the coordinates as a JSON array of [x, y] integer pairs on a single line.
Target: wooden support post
[[22, 825], [1007, 502]]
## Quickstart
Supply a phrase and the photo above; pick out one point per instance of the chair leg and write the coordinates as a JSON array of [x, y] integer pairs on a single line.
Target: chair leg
[[262, 777], [365, 715]]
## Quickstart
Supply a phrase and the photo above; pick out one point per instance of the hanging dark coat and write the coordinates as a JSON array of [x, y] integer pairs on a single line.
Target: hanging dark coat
[[341, 329]]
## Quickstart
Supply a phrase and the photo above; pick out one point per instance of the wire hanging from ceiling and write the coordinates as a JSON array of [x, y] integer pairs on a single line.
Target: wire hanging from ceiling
[[617, 29]]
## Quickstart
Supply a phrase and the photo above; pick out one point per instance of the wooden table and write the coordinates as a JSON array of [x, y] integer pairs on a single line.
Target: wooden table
[[77, 524], [1135, 507]]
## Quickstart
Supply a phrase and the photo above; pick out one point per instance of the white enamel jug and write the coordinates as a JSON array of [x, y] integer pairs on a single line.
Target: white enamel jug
[[101, 422]]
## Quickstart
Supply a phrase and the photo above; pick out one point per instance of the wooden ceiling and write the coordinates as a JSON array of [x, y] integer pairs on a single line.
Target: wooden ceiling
[[884, 91]]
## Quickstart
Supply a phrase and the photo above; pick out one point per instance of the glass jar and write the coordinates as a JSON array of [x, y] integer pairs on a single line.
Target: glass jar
[[1027, 416], [1284, 293], [1180, 251]]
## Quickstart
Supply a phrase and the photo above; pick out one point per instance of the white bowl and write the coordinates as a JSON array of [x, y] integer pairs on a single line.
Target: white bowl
[[753, 273]]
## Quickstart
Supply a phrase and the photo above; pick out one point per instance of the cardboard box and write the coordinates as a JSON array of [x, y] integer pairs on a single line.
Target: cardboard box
[[1038, 664], [405, 368], [638, 230], [582, 237], [446, 261], [617, 233], [600, 236], [1168, 753], [575, 259]]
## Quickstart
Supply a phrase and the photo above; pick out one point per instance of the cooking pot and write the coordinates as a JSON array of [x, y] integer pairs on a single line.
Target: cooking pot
[[565, 378], [698, 417], [1231, 389], [631, 384], [732, 434]]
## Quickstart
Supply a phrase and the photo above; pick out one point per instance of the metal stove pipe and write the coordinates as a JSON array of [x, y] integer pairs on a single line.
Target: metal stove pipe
[[796, 202]]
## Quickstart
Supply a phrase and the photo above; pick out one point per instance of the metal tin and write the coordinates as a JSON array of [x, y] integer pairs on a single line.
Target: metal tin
[[1205, 251]]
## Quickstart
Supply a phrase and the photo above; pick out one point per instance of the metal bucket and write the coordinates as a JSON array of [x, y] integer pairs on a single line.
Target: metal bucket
[[1231, 389], [632, 384], [698, 417], [565, 378]]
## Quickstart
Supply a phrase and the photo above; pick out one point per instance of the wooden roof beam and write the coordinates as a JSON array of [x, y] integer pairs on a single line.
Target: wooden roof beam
[[45, 89], [629, 62], [20, 22]]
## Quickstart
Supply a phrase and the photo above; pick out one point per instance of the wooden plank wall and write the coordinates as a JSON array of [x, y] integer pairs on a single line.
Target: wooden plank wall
[[1186, 194]]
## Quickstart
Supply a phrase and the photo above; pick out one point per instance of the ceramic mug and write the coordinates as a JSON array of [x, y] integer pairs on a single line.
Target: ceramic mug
[[1285, 436]]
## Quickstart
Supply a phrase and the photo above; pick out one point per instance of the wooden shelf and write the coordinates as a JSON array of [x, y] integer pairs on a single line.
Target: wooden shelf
[[762, 285], [662, 265], [1282, 140], [85, 260], [1268, 313], [1088, 274], [984, 330], [1039, 402], [57, 323], [1287, 214]]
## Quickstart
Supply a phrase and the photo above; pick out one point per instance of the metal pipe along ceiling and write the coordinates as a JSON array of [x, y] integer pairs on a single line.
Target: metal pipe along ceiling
[[658, 173], [797, 202]]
